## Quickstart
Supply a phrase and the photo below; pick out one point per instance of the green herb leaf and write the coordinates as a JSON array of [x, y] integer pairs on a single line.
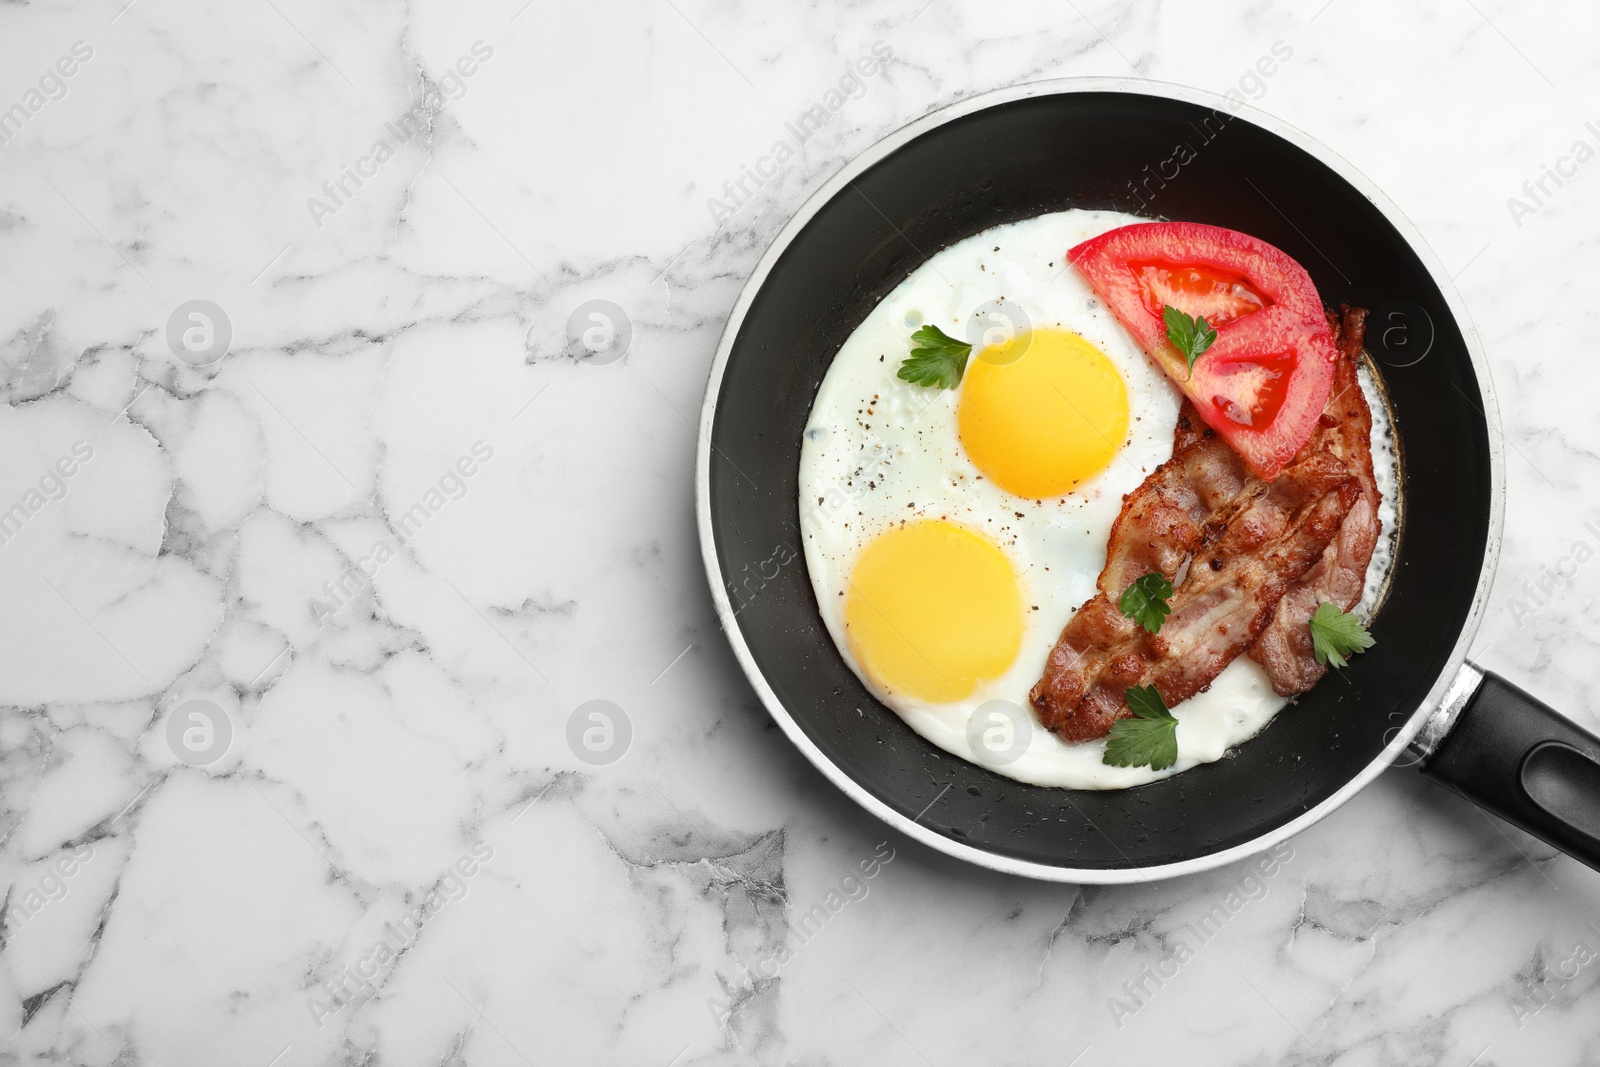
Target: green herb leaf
[[1150, 738], [1336, 635], [1189, 336], [1145, 702], [1145, 601], [938, 360]]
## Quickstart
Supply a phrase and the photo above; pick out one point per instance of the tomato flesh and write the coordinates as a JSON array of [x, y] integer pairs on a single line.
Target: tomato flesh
[[1260, 389], [1198, 292], [1264, 381]]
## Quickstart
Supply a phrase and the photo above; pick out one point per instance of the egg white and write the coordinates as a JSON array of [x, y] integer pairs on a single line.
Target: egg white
[[879, 450]]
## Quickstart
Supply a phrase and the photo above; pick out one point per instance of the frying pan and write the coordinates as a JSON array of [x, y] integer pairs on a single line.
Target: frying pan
[[1111, 144]]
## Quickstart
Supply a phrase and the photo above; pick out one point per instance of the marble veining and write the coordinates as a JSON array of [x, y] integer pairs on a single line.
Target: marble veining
[[361, 700]]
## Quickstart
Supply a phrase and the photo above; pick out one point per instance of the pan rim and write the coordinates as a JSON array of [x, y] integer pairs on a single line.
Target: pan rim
[[797, 735]]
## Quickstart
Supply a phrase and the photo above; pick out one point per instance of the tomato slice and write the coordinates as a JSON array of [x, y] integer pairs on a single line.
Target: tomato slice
[[1263, 383]]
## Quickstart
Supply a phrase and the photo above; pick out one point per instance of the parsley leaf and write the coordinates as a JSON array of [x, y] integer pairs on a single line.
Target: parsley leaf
[[1149, 738], [1145, 601], [1145, 701], [1337, 634], [938, 359], [1189, 336]]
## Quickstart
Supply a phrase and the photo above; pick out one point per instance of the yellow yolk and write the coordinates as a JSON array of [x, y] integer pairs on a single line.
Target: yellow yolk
[[1040, 422], [933, 610]]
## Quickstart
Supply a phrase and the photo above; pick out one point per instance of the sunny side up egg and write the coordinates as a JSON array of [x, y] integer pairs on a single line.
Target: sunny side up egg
[[950, 533]]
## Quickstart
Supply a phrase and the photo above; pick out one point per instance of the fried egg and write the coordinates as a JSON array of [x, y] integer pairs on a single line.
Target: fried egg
[[950, 533]]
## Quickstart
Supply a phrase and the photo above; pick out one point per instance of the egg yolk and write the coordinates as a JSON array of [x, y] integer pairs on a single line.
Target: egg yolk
[[1039, 424], [933, 610]]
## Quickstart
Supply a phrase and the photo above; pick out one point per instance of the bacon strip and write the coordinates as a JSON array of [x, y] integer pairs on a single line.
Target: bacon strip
[[1284, 648], [1164, 521], [1256, 558], [1239, 573]]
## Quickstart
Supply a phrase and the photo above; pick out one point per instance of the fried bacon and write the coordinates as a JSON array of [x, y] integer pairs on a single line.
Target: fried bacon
[[1239, 571], [1250, 561], [1165, 520], [1284, 647]]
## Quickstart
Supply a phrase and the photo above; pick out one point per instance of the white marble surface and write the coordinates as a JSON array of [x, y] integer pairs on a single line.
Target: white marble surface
[[409, 748]]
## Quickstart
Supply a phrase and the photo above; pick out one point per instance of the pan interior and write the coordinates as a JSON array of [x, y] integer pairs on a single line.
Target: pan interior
[[1117, 151]]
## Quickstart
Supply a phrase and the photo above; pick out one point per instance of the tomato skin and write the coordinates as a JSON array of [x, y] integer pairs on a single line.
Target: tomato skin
[[1263, 383]]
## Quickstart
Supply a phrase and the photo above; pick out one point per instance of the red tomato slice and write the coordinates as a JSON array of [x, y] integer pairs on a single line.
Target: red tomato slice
[[1264, 381]]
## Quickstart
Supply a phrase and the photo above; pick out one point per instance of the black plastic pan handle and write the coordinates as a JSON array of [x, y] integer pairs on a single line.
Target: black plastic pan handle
[[1519, 758]]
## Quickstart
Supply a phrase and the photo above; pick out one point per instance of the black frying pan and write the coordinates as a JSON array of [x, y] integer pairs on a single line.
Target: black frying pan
[[1104, 143]]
